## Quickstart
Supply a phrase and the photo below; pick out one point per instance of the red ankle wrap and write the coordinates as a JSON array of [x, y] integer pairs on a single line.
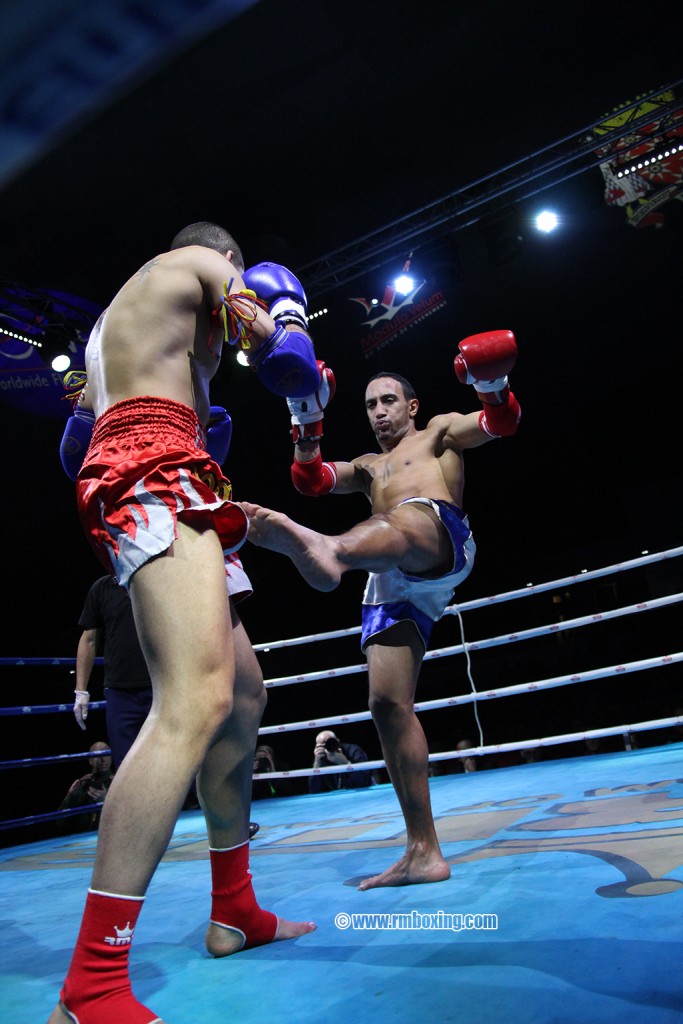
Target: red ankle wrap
[[234, 904], [97, 987]]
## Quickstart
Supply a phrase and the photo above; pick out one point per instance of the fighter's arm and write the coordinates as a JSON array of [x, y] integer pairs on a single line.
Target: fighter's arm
[[460, 431], [310, 475], [279, 351], [314, 478], [485, 360], [228, 298]]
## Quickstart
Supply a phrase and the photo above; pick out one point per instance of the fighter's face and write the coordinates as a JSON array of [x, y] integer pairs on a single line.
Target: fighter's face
[[389, 412]]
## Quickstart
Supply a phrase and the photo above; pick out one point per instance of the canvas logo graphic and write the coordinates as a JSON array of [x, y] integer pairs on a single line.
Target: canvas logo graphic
[[397, 313], [636, 830]]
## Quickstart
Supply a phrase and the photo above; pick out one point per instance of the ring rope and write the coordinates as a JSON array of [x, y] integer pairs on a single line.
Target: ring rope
[[532, 588], [472, 697], [588, 574], [46, 709], [26, 762], [510, 595], [56, 662], [535, 588], [68, 812], [503, 691], [480, 645], [492, 748], [442, 652]]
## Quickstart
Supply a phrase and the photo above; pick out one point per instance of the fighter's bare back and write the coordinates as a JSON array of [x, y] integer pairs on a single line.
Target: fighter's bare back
[[158, 337]]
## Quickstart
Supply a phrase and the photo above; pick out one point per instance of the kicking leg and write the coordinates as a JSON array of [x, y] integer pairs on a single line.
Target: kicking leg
[[409, 535], [224, 791], [394, 660], [313, 554]]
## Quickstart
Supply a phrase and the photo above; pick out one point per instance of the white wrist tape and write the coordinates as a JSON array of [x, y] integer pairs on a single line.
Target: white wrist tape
[[485, 386]]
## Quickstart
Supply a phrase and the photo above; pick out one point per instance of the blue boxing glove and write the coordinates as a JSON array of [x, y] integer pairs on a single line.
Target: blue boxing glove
[[280, 290], [285, 362], [218, 434], [75, 440]]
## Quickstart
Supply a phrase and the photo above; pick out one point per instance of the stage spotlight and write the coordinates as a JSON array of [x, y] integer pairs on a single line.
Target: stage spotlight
[[404, 284], [546, 221], [61, 363], [59, 347]]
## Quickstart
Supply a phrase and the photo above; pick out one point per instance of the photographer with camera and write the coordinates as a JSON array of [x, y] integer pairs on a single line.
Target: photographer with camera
[[330, 750], [90, 789], [265, 760]]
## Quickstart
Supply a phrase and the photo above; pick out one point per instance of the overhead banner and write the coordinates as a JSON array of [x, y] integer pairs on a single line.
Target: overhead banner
[[644, 171], [27, 383], [395, 315], [56, 322]]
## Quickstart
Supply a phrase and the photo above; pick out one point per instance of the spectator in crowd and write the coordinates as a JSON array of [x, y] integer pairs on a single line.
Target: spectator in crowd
[[265, 761], [330, 750], [471, 762], [90, 789]]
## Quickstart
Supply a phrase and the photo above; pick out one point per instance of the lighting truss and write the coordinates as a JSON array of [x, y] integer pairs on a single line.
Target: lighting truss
[[520, 180]]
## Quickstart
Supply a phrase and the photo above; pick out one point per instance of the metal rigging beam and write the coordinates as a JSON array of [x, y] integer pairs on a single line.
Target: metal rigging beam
[[534, 173]]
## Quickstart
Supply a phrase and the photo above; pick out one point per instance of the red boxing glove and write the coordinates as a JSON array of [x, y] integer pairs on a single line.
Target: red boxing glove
[[485, 360], [314, 478], [502, 419]]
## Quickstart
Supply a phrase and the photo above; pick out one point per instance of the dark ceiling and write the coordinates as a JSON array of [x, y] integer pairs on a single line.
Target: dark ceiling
[[303, 126]]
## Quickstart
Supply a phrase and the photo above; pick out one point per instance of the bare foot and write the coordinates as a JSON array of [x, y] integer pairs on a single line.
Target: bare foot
[[222, 940], [313, 554], [60, 1015], [411, 869]]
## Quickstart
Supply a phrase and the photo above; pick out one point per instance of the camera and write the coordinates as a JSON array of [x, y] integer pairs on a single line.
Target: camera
[[262, 764], [332, 745]]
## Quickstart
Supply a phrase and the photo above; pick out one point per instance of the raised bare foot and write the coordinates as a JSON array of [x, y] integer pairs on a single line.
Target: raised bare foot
[[313, 554], [411, 869], [222, 941]]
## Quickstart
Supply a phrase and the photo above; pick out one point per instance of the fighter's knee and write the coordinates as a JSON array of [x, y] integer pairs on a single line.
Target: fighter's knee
[[205, 715], [222, 709], [248, 710], [383, 704], [250, 701]]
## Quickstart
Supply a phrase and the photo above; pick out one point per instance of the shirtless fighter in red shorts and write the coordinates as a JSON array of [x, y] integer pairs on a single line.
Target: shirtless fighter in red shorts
[[157, 510]]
